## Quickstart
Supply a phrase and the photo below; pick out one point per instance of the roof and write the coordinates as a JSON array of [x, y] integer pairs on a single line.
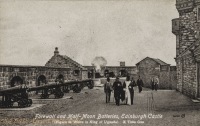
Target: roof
[[29, 66], [122, 66], [156, 60], [160, 61], [72, 61], [115, 66]]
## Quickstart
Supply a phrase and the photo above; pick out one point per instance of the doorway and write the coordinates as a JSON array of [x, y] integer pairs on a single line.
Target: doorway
[[15, 81]]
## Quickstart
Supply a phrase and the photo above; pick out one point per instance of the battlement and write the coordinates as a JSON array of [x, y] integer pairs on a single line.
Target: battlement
[[186, 5]]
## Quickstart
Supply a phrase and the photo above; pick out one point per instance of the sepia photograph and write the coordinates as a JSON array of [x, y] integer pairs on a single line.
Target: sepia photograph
[[99, 62]]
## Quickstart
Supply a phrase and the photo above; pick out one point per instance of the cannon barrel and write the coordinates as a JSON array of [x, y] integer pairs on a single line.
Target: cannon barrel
[[15, 94], [54, 85], [13, 90]]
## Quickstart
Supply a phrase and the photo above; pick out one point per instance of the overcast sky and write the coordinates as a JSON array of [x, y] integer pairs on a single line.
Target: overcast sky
[[117, 30]]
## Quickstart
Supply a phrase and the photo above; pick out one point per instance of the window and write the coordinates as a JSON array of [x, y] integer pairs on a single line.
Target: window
[[164, 68], [76, 72]]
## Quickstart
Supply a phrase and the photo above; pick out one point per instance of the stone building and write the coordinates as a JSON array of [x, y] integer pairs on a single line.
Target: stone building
[[13, 75], [58, 67], [113, 71], [151, 67], [62, 61], [187, 29]]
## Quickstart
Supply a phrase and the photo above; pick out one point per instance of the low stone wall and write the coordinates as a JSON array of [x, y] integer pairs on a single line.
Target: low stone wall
[[112, 80]]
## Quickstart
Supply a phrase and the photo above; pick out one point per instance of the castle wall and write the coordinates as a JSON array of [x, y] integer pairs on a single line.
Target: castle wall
[[188, 52]]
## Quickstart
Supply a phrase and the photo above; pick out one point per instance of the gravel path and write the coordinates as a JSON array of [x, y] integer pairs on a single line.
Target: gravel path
[[167, 108]]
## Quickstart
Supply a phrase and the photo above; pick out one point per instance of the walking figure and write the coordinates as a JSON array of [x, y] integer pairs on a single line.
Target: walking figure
[[128, 91], [131, 89], [140, 84], [152, 83], [117, 86], [108, 89], [156, 83]]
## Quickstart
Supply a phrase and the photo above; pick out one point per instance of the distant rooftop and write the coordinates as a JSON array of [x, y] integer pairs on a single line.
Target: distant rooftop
[[156, 60]]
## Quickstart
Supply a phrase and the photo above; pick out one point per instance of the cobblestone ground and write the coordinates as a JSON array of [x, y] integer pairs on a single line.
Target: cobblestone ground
[[169, 108]]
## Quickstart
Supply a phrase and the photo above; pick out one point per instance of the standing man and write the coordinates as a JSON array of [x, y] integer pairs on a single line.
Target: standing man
[[108, 89], [152, 83], [140, 84], [156, 83], [131, 89], [117, 86]]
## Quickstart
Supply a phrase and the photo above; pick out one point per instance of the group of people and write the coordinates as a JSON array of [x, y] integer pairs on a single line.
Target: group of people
[[154, 83], [123, 92]]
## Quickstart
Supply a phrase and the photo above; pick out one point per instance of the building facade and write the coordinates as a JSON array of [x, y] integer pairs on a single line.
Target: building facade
[[113, 71], [13, 75], [62, 61], [58, 67], [187, 30], [150, 68]]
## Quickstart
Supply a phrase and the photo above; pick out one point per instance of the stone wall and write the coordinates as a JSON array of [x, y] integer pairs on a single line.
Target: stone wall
[[173, 78], [187, 76], [30, 75], [148, 68], [62, 62], [132, 70], [188, 45]]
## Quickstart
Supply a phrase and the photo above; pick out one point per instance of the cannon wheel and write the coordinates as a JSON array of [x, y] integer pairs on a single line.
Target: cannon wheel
[[66, 89], [10, 105], [23, 103], [76, 89], [82, 85], [44, 96], [1, 104], [29, 102], [59, 95], [91, 85]]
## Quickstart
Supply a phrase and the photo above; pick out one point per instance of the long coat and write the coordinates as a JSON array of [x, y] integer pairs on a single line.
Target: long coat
[[131, 85], [107, 87], [140, 84], [117, 86]]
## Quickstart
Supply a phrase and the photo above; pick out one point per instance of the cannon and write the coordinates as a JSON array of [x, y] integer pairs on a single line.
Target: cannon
[[48, 90], [15, 94], [59, 88], [19, 94]]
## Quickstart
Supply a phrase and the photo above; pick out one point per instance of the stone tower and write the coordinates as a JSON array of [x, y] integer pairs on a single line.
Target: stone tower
[[187, 30]]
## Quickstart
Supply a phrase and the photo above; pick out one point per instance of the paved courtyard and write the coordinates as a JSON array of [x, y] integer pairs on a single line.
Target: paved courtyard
[[168, 107]]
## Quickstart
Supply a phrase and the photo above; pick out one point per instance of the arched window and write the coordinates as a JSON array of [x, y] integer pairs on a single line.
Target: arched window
[[41, 80], [60, 78], [76, 72], [15, 81]]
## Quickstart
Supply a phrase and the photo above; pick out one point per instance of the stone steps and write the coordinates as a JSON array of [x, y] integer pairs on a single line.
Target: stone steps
[[196, 100]]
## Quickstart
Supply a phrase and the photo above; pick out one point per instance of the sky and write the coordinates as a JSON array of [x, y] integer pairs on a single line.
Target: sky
[[127, 30]]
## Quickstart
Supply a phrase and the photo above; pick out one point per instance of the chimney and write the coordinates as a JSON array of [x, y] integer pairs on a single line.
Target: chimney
[[56, 52], [122, 64]]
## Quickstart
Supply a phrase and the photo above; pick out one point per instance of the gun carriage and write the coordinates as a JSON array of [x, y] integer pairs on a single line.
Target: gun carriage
[[20, 94], [15, 94]]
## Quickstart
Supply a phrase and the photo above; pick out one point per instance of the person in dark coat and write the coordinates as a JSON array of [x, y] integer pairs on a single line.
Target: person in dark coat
[[108, 89], [152, 83], [140, 84], [117, 86], [131, 89]]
